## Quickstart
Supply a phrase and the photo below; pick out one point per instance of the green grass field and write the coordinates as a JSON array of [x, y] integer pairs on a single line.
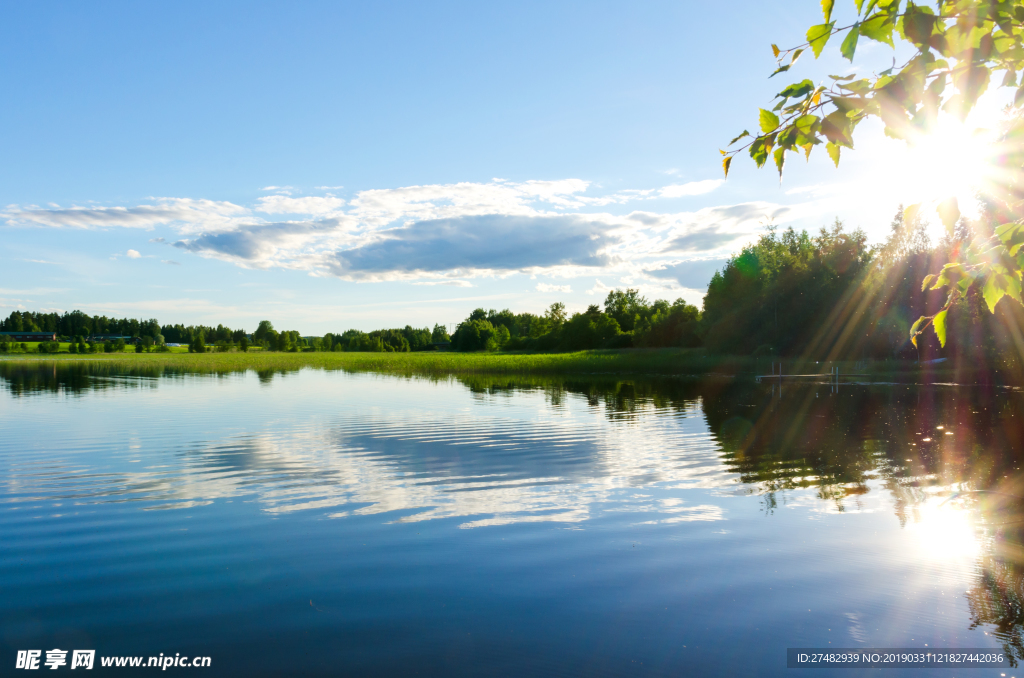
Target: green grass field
[[654, 361], [639, 362]]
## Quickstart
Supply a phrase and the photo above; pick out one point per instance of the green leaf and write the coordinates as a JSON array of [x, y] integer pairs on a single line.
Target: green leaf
[[797, 89], [862, 86], [788, 137], [939, 325], [780, 160], [769, 121], [1010, 79], [918, 24], [780, 69], [950, 275], [993, 292], [837, 127], [796, 55], [849, 46], [949, 213], [726, 161], [998, 286], [928, 280], [1012, 236], [818, 35], [826, 9], [759, 152], [833, 152], [878, 28], [744, 134], [805, 122]]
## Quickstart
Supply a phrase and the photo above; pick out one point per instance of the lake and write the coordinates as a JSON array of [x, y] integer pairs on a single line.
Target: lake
[[334, 523]]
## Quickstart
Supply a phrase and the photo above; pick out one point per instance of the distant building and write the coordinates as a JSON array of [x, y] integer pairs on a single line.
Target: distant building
[[28, 336]]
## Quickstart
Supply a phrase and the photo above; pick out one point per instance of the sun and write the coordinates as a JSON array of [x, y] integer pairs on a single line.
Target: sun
[[952, 160]]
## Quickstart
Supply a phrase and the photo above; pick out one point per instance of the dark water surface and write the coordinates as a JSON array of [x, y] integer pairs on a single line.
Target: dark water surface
[[329, 523]]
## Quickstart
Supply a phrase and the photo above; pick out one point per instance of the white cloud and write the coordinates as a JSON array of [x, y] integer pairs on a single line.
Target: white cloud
[[691, 188], [380, 207], [451, 283], [547, 289], [310, 205], [442, 234], [186, 214], [134, 254]]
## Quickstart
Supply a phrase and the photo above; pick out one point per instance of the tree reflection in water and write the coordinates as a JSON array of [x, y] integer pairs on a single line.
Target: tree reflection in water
[[915, 443], [996, 598]]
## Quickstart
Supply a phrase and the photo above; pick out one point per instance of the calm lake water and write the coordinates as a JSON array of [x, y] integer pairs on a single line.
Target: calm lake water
[[330, 523]]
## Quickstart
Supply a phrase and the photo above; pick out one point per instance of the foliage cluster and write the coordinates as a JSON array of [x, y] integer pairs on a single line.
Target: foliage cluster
[[627, 320], [776, 293], [400, 340]]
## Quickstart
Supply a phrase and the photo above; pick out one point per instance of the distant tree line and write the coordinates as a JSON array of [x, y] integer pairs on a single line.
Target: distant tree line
[[77, 323], [627, 320], [401, 340], [73, 325]]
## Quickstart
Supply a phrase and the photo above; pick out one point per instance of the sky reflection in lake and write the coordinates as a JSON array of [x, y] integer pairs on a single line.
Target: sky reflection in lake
[[334, 522]]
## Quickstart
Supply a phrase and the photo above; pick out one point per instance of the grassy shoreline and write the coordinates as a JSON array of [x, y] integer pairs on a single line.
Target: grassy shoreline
[[655, 361], [639, 362]]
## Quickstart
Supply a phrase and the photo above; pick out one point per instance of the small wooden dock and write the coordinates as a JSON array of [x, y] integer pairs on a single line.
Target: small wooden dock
[[833, 375]]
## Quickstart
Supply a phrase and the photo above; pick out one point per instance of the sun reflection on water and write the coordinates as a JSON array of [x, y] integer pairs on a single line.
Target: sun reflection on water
[[945, 530]]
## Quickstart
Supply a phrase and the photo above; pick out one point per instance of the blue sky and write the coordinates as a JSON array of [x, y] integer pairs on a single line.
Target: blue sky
[[339, 165]]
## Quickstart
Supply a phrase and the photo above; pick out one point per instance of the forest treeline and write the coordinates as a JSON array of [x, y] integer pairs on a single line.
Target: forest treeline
[[829, 296]]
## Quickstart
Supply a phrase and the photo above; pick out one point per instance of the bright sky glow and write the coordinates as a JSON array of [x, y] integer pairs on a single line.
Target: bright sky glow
[[330, 166]]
